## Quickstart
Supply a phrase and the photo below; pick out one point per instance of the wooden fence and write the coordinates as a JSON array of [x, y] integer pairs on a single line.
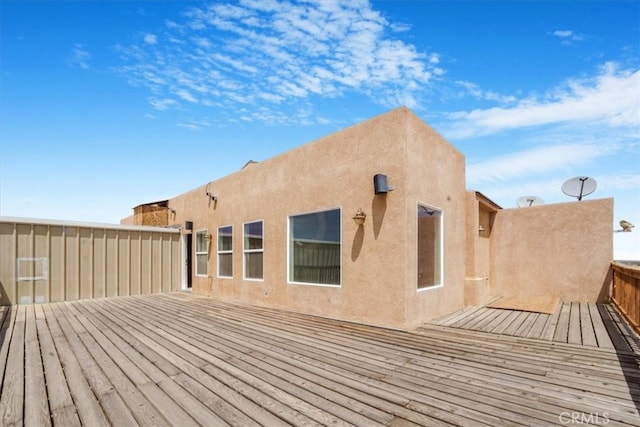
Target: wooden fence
[[49, 261], [626, 292]]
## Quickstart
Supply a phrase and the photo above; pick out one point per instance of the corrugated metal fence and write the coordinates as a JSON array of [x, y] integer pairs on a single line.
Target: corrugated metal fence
[[49, 261]]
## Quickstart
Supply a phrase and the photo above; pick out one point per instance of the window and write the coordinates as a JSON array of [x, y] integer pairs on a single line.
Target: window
[[202, 252], [429, 247], [253, 250], [314, 248], [225, 251]]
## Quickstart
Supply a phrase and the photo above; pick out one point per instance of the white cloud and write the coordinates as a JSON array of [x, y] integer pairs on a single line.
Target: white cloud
[[534, 162], [186, 95], [162, 104], [150, 38], [261, 53], [563, 33], [568, 36], [610, 98], [80, 56], [472, 89]]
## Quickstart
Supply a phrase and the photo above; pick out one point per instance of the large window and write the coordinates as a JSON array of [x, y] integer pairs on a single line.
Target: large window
[[314, 248], [253, 250], [429, 247], [225, 251], [202, 252]]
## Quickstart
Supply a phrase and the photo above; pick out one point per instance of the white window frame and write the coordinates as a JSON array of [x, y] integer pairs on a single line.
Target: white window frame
[[441, 249], [223, 252], [289, 267], [200, 253], [246, 251]]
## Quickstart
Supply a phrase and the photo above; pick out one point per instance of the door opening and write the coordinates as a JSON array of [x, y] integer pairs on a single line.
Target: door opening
[[188, 249]]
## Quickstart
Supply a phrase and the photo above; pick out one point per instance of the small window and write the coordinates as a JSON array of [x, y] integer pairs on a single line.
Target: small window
[[253, 250], [202, 252], [314, 248], [429, 247], [225, 251]]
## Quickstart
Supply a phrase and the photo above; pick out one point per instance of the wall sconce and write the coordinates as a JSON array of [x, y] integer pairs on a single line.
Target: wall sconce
[[626, 226], [173, 211], [359, 217], [480, 229], [380, 184], [210, 195]]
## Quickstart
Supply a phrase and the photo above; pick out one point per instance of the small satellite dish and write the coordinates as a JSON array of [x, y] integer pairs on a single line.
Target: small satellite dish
[[526, 201], [579, 186]]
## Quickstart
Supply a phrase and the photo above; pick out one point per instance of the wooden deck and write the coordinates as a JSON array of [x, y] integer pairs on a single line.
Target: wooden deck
[[595, 325], [178, 359]]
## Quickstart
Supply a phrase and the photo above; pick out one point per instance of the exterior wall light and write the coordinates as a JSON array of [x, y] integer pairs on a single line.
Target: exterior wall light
[[626, 226], [359, 217]]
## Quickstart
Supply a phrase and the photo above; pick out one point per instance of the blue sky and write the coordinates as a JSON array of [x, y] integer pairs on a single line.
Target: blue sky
[[108, 104]]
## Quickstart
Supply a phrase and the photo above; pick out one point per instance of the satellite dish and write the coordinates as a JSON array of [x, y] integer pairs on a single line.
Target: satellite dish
[[579, 186], [526, 201]]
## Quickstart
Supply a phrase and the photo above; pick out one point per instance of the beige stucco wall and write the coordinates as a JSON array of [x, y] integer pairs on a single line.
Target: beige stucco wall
[[564, 250], [379, 258], [435, 177], [477, 251]]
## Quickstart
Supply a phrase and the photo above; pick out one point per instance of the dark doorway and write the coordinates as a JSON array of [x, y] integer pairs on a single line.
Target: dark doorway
[[187, 259]]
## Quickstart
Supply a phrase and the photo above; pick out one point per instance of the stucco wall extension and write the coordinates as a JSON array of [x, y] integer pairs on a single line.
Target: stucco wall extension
[[480, 216], [379, 259], [563, 250]]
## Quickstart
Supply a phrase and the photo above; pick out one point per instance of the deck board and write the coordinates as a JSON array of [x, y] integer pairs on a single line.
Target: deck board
[[589, 324], [181, 359]]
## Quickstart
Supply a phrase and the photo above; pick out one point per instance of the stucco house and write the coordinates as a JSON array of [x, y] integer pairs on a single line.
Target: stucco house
[[374, 224]]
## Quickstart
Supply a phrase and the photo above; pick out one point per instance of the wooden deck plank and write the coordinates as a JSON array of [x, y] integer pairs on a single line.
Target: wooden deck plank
[[612, 330], [7, 319], [502, 314], [202, 361], [12, 398], [146, 403], [114, 407], [493, 420], [477, 318], [454, 317], [574, 334], [61, 405], [88, 408], [549, 330], [36, 403], [507, 322], [631, 338], [526, 325], [561, 333], [586, 324], [491, 316], [602, 336], [236, 393], [538, 326]]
